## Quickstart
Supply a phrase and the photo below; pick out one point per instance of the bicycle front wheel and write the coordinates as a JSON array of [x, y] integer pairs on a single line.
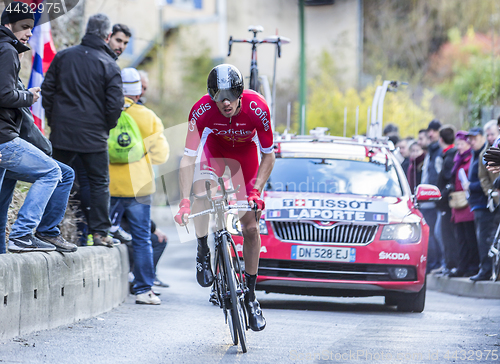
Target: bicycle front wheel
[[236, 298]]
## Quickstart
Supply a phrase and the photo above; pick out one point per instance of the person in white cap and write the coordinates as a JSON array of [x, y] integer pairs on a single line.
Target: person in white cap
[[132, 185]]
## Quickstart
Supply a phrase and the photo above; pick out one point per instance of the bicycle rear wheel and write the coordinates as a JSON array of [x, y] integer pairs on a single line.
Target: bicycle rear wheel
[[235, 306], [254, 80]]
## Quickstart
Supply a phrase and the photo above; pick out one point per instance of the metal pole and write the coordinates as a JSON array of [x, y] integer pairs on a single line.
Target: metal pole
[[303, 114], [345, 120], [367, 120], [273, 97], [302, 87], [357, 120], [288, 116]]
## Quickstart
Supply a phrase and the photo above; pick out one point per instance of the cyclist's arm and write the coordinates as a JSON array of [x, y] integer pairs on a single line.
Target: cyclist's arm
[[186, 174], [265, 169]]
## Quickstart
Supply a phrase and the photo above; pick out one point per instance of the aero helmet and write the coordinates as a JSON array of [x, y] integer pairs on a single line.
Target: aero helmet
[[225, 82]]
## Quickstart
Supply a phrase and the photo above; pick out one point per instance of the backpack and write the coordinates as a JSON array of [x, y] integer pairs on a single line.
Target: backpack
[[125, 143]]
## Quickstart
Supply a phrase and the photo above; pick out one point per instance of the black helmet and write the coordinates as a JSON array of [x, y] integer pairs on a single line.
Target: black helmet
[[225, 82]]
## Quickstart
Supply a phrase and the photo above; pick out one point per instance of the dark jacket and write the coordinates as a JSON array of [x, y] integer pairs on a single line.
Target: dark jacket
[[11, 99], [414, 174], [463, 214], [29, 131], [432, 164], [82, 96], [477, 199], [445, 178]]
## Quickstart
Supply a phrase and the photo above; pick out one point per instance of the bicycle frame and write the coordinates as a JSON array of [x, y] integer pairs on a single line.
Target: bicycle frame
[[228, 282]]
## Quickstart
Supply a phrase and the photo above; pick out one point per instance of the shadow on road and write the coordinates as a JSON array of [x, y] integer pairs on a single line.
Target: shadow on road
[[309, 305]]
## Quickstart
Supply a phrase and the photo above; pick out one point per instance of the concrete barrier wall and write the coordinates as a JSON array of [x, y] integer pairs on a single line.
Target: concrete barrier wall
[[41, 291]]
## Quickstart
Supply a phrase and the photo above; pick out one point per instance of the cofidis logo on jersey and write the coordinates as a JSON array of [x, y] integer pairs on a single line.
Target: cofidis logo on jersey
[[197, 114], [261, 114]]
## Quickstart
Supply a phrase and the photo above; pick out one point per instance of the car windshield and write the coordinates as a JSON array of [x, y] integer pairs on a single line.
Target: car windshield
[[334, 176]]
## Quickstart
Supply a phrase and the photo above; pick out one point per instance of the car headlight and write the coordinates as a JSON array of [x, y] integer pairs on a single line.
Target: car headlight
[[402, 233], [263, 227], [234, 226]]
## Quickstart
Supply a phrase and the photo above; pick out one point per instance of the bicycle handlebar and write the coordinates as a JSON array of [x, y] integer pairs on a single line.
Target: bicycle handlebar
[[227, 208], [278, 40]]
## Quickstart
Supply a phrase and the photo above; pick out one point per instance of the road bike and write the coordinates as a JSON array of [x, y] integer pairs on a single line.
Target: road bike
[[229, 286], [254, 70]]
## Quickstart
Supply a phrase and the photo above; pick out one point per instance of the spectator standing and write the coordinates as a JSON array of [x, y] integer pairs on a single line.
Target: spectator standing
[[468, 257], [483, 218], [119, 39], [414, 174], [433, 163], [445, 183], [132, 186], [83, 99], [18, 156], [404, 150]]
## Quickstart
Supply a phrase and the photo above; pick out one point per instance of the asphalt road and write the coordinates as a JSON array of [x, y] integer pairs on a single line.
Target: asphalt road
[[186, 328]]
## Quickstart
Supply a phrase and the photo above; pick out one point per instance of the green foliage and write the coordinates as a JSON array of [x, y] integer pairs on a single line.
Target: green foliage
[[327, 103], [196, 70]]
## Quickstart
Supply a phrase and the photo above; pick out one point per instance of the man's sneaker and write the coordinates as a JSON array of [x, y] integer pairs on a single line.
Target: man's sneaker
[[204, 274], [59, 242], [29, 243], [100, 240], [147, 298], [256, 319], [121, 235], [159, 283]]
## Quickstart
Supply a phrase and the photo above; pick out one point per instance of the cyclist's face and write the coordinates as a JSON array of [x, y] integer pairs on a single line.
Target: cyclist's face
[[228, 108]]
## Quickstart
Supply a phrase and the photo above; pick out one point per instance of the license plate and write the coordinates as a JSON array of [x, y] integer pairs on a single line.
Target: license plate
[[327, 254]]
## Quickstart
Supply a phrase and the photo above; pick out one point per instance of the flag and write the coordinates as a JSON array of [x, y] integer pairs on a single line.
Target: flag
[[43, 51]]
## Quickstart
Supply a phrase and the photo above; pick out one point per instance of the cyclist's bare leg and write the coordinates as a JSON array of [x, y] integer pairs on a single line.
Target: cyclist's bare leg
[[251, 242], [251, 252], [201, 222]]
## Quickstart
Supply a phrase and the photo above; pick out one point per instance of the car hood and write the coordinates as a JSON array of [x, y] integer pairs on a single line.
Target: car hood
[[339, 208]]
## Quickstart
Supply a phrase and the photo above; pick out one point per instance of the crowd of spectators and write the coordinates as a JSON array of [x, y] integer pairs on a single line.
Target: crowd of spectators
[[85, 94], [463, 223]]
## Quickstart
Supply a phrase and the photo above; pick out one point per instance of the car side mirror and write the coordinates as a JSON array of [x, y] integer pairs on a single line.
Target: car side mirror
[[427, 192]]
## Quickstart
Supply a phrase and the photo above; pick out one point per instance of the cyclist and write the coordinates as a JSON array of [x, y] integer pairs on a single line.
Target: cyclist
[[226, 128]]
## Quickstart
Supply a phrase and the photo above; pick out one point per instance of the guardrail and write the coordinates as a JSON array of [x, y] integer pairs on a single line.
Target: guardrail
[[40, 291]]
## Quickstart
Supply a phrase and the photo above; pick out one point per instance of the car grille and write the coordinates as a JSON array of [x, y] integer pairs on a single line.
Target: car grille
[[328, 270], [339, 233]]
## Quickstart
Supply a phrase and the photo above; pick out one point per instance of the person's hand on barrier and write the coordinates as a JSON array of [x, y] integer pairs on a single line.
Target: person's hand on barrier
[[184, 210], [254, 199]]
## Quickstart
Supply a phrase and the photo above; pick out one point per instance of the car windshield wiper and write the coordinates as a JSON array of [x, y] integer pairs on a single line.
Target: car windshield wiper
[[323, 161]]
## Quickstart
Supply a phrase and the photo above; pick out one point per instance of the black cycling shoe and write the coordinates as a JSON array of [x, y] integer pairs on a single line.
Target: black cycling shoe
[[204, 274], [256, 319]]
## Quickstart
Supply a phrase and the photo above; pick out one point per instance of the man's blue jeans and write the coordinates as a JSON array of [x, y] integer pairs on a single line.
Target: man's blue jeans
[[30, 163], [54, 211], [138, 213]]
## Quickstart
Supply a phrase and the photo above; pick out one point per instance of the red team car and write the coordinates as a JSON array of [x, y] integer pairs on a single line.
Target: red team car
[[340, 220]]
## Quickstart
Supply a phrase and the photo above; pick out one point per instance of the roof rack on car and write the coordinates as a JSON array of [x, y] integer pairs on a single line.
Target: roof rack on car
[[320, 137]]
